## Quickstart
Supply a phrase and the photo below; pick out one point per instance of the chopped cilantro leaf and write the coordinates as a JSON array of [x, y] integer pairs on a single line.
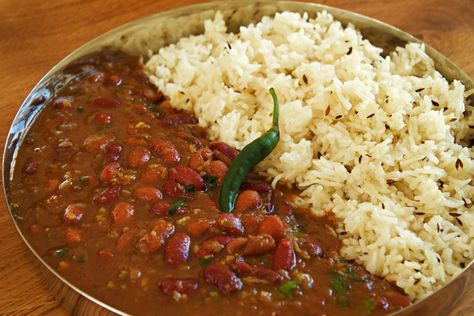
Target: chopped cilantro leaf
[[62, 253], [84, 181], [287, 288], [204, 262], [210, 181], [189, 187], [368, 305], [176, 206]]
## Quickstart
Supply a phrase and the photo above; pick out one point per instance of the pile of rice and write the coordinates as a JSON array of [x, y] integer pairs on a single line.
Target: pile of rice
[[376, 140]]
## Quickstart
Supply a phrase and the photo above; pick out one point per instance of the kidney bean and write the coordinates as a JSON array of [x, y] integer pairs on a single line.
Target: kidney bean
[[200, 158], [35, 229], [161, 208], [177, 249], [229, 223], [284, 256], [138, 157], [104, 254], [251, 223], [73, 235], [153, 173], [223, 278], [227, 150], [242, 268], [110, 171], [211, 246], [126, 239], [116, 80], [103, 118], [311, 247], [177, 119], [106, 102], [247, 200], [258, 245], [217, 169], [165, 150], [200, 226], [260, 187], [186, 176], [123, 213], [31, 168], [173, 188], [234, 245], [108, 195], [149, 194], [154, 240], [267, 275], [272, 225], [190, 139], [73, 213], [112, 153], [98, 142], [182, 286]]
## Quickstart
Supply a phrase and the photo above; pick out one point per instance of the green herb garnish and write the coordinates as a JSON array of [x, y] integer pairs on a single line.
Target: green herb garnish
[[80, 109], [189, 187], [176, 206], [62, 253], [210, 181], [204, 262], [84, 181], [287, 288], [368, 305], [339, 287]]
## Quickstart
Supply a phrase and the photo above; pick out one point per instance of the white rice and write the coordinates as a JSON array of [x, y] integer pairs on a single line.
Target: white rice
[[376, 140]]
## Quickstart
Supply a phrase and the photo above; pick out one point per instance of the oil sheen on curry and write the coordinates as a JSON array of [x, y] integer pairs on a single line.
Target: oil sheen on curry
[[119, 193]]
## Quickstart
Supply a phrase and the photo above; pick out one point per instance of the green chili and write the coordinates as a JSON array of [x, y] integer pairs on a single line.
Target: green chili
[[250, 155]]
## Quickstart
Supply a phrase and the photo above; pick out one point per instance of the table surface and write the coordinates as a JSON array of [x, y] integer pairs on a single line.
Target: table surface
[[35, 35]]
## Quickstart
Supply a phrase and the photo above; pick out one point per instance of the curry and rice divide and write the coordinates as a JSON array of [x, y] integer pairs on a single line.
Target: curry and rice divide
[[364, 202]]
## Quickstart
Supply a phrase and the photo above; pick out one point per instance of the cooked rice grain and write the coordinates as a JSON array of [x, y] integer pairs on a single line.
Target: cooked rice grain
[[377, 140]]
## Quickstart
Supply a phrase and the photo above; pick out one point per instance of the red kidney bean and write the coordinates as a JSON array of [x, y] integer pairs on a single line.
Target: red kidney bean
[[223, 278], [260, 187], [73, 213], [242, 268], [186, 176], [106, 102], [311, 247], [177, 249], [173, 188], [138, 157], [227, 150], [247, 200], [112, 153], [103, 118], [267, 275], [165, 150], [284, 256], [190, 139], [258, 245], [229, 223], [250, 223], [217, 169], [272, 225], [199, 158], [177, 119], [123, 213], [182, 286], [234, 245], [211, 246], [104, 254], [73, 235], [126, 239], [200, 226], [161, 208], [149, 194], [31, 168], [154, 240], [98, 142], [110, 171], [108, 195], [153, 173]]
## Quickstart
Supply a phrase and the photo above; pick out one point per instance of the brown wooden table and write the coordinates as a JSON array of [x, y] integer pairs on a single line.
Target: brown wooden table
[[35, 35]]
